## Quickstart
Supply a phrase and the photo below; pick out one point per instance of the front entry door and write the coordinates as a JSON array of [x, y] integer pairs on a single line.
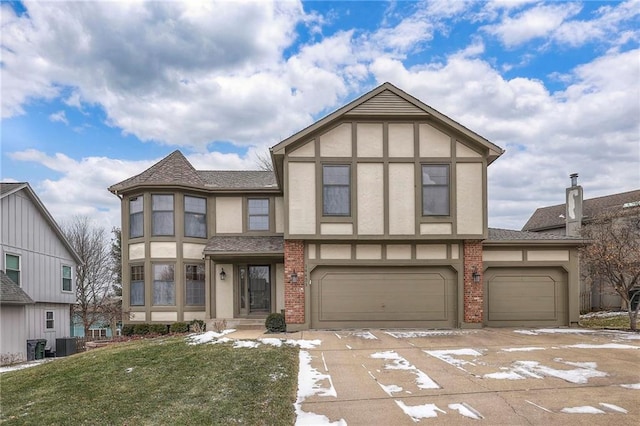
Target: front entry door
[[255, 290]]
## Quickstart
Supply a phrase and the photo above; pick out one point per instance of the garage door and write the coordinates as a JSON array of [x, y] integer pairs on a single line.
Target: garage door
[[526, 297], [376, 297]]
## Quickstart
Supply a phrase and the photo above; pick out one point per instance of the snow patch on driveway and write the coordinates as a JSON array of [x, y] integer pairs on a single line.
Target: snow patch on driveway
[[397, 362], [449, 356], [466, 410], [603, 346], [527, 349], [635, 386], [538, 331], [418, 412], [533, 369], [426, 333], [585, 409], [614, 407]]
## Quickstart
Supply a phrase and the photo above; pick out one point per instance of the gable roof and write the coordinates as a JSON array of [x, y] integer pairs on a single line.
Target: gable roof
[[175, 169], [11, 293], [384, 100], [553, 216], [6, 189]]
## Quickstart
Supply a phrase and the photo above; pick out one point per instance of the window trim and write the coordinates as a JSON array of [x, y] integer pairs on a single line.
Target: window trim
[[268, 215], [349, 187], [173, 213], [70, 278], [131, 280], [141, 213], [187, 280], [186, 212], [447, 186], [47, 319], [19, 270], [153, 282]]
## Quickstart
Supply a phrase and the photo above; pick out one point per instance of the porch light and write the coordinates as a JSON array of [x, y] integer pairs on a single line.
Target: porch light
[[475, 275], [223, 275], [294, 277]]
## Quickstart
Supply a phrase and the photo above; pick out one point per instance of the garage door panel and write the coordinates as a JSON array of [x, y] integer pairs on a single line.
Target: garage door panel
[[386, 297], [526, 297]]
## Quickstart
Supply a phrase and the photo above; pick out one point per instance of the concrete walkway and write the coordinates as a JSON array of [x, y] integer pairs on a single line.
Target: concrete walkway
[[490, 376]]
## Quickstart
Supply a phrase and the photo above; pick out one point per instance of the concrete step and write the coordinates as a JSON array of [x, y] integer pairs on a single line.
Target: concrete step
[[237, 323]]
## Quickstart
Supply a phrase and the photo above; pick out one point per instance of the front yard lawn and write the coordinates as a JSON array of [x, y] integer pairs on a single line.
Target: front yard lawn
[[609, 320], [156, 381]]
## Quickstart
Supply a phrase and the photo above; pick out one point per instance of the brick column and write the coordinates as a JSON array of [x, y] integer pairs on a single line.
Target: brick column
[[294, 292], [473, 292]]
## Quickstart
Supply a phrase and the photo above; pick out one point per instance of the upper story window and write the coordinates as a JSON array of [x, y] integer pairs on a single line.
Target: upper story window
[[12, 267], [66, 278], [258, 209], [164, 285], [136, 217], [336, 190], [195, 284], [162, 214], [195, 217], [136, 294], [435, 190]]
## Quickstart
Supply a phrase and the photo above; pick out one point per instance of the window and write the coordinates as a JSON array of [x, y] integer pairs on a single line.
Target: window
[[336, 190], [164, 286], [136, 217], [48, 319], [258, 214], [435, 190], [136, 293], [162, 218], [66, 278], [195, 217], [195, 284], [12, 267]]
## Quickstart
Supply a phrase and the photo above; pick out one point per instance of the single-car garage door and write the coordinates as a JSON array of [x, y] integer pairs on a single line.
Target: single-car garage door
[[530, 297], [382, 297]]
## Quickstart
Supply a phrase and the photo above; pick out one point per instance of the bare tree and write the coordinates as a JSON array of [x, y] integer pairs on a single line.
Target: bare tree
[[94, 274], [613, 254], [264, 161]]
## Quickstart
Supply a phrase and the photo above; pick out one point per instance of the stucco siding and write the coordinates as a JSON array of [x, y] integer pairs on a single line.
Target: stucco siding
[[335, 251], [163, 250], [229, 216], [164, 316], [138, 316], [502, 255], [401, 199], [435, 229], [190, 316], [302, 198], [431, 251], [470, 211], [369, 139], [306, 150], [368, 251], [336, 229], [433, 142], [224, 291], [399, 252], [279, 214], [336, 142], [192, 251], [548, 255], [370, 199], [279, 287], [136, 251], [463, 151], [401, 140]]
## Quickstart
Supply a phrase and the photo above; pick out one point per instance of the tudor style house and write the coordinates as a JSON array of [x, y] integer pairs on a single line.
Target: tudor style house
[[374, 216], [38, 283]]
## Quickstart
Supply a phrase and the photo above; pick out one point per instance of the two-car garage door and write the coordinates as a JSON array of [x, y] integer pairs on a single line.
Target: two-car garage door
[[534, 297], [383, 297]]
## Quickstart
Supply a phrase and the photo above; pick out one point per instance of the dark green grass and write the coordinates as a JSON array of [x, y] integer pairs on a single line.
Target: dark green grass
[[171, 383]]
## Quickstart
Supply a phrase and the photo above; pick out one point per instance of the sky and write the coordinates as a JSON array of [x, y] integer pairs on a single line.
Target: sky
[[95, 92]]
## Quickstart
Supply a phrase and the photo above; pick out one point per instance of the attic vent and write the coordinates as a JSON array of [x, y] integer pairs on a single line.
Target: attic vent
[[632, 204]]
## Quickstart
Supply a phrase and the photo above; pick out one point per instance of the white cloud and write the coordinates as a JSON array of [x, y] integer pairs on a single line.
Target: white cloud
[[59, 117]]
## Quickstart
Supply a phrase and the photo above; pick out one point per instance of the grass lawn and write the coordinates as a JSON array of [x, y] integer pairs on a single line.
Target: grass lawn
[[156, 381], [618, 322]]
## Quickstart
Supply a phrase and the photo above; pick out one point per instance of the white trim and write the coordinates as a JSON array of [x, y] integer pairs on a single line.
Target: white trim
[[19, 256], [62, 266]]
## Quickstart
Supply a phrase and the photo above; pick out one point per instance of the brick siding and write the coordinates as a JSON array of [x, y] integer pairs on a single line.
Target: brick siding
[[473, 292], [294, 292]]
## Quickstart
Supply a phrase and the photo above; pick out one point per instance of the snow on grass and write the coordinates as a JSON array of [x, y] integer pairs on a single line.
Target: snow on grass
[[538, 331], [310, 383], [527, 349], [245, 344], [397, 362], [24, 365], [635, 386], [585, 409], [466, 410], [271, 341], [207, 337], [449, 356], [428, 333], [418, 412], [603, 346], [304, 344], [604, 314], [614, 407]]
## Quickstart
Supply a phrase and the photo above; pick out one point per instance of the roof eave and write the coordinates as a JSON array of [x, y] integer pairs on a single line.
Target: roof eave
[[579, 242]]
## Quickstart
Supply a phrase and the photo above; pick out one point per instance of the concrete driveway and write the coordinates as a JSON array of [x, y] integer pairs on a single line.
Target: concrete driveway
[[491, 376]]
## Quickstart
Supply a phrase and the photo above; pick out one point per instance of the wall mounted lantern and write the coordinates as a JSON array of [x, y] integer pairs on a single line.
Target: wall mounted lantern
[[223, 275], [475, 275], [294, 277]]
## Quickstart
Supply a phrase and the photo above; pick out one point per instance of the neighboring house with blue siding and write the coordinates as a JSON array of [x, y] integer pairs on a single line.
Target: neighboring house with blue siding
[[37, 257]]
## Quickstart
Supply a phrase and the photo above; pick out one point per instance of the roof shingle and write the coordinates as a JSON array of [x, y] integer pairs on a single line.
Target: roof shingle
[[11, 293], [245, 245]]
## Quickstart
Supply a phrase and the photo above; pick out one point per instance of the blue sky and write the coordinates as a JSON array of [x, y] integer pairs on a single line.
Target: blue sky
[[95, 92]]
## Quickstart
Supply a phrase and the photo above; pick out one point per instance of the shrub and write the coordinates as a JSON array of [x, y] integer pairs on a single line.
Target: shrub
[[220, 326], [128, 329], [158, 329], [275, 323], [141, 329], [179, 327], [197, 326]]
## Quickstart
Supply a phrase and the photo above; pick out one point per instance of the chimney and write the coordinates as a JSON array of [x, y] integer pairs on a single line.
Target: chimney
[[574, 207]]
